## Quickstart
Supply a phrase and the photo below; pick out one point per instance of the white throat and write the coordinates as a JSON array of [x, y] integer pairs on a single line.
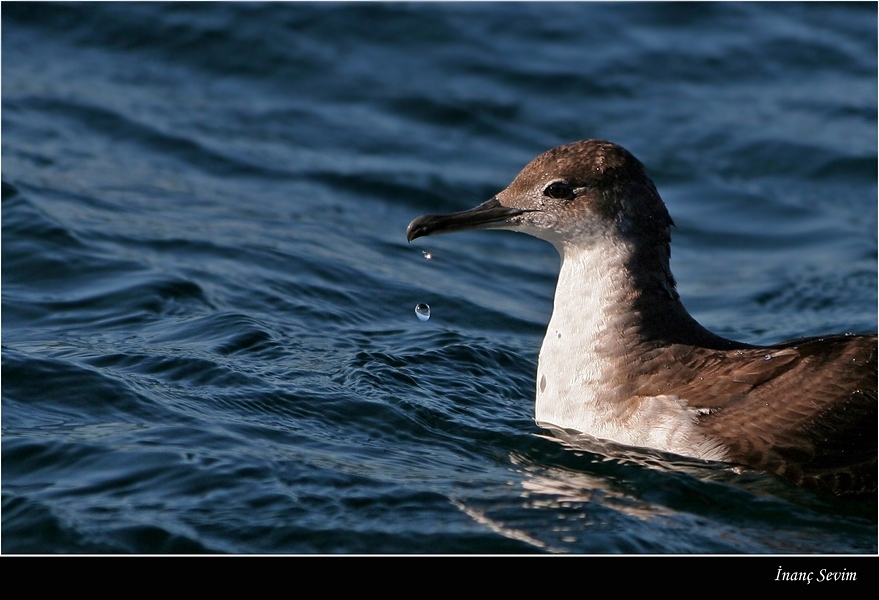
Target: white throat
[[581, 383]]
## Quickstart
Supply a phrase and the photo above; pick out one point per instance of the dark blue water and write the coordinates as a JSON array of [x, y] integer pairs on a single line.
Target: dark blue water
[[209, 341]]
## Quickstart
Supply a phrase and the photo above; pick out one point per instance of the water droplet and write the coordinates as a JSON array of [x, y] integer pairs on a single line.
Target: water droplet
[[423, 311], [427, 255]]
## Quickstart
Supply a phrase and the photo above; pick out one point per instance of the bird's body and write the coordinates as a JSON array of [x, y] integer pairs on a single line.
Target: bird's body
[[622, 359]]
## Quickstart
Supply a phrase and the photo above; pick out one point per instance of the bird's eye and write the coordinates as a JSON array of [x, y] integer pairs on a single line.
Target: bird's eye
[[560, 190]]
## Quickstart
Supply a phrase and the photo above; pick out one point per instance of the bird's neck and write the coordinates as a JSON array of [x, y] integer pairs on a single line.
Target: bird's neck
[[620, 298], [614, 298], [614, 313], [598, 317]]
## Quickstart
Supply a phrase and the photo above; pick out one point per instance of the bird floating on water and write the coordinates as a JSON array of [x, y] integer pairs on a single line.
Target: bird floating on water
[[624, 361]]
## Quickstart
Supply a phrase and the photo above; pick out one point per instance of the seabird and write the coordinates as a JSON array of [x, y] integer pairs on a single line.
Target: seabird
[[624, 361]]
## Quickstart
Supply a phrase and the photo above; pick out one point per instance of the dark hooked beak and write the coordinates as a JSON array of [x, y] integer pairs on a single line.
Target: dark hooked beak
[[488, 215]]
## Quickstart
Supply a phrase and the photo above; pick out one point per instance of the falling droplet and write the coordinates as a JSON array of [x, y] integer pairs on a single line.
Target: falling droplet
[[427, 255], [423, 311]]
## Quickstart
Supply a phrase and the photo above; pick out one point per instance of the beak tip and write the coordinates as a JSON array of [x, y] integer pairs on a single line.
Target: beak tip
[[410, 233], [416, 229]]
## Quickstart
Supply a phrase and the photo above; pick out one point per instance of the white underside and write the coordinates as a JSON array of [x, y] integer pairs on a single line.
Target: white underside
[[575, 377]]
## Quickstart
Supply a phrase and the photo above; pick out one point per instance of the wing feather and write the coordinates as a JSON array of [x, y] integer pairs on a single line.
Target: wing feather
[[806, 409]]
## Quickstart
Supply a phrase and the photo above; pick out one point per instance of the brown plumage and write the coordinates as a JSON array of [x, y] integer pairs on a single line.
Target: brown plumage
[[805, 409], [623, 360]]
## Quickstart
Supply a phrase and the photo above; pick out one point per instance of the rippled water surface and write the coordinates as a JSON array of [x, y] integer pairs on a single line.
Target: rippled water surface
[[209, 338]]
